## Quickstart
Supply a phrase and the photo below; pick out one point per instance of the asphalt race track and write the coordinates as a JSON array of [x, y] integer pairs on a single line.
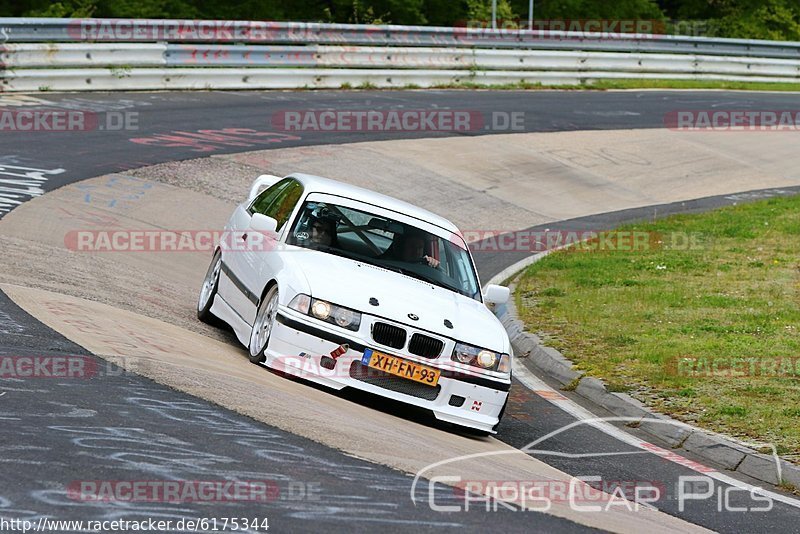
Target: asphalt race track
[[122, 426]]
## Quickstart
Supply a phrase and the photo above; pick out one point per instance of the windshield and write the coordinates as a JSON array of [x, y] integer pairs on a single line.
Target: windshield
[[387, 243]]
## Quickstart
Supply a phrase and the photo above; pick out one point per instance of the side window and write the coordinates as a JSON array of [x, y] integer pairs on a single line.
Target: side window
[[263, 201], [284, 204]]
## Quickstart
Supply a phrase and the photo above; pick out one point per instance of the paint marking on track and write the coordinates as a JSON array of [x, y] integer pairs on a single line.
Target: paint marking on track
[[23, 183], [584, 416], [550, 394]]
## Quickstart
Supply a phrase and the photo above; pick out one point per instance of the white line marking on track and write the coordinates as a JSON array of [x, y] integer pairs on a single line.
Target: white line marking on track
[[584, 416]]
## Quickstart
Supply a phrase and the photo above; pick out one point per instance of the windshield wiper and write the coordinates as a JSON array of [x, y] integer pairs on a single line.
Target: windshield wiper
[[418, 276], [364, 259], [414, 274], [338, 252]]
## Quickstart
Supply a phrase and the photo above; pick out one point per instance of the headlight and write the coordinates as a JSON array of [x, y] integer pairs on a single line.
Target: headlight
[[345, 317], [486, 359], [482, 358], [321, 309], [325, 311]]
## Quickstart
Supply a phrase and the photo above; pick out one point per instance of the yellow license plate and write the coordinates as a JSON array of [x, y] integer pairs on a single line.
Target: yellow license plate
[[404, 368]]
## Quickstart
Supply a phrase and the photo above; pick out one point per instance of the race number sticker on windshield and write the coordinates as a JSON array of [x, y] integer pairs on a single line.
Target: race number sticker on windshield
[[400, 367]]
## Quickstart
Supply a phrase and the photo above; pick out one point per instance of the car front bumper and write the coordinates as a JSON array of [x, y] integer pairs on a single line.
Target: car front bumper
[[298, 346]]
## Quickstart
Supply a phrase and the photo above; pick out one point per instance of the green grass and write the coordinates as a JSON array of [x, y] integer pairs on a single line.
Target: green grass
[[630, 316], [605, 85], [601, 85], [695, 84]]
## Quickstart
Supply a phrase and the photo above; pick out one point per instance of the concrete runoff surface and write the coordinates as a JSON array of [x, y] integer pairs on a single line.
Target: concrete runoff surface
[[200, 195], [513, 181], [136, 299]]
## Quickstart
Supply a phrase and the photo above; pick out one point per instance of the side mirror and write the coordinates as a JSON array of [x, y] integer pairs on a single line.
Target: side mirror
[[496, 294], [263, 224]]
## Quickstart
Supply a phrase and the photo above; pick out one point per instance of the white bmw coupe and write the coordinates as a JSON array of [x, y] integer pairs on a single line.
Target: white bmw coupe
[[346, 287]]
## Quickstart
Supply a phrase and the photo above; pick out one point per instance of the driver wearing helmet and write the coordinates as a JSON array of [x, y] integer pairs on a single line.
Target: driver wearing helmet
[[323, 232]]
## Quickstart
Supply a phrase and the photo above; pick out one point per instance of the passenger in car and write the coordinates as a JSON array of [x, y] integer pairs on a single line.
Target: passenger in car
[[412, 250]]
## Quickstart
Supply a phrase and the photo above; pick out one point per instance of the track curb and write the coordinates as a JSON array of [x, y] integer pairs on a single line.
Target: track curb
[[715, 448]]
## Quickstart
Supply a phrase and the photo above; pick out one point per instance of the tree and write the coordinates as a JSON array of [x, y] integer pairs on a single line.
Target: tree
[[747, 19], [481, 11], [445, 12], [754, 19], [766, 19], [591, 9], [65, 8]]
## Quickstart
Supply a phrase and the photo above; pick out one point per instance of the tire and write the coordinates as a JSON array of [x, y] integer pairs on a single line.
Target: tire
[[500, 417], [209, 290], [262, 327]]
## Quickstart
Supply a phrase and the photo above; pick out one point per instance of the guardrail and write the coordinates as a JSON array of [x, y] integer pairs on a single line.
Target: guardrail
[[109, 54]]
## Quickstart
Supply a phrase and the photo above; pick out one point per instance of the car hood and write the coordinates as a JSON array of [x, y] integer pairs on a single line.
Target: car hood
[[352, 284]]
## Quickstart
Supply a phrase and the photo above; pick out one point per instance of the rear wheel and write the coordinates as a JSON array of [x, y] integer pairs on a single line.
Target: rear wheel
[[477, 433], [262, 328], [209, 290]]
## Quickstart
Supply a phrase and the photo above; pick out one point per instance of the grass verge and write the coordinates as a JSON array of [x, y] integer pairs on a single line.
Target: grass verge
[[700, 321], [605, 85]]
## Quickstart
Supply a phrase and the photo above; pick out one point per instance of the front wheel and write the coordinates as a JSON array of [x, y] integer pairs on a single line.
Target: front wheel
[[209, 290], [262, 328], [502, 412]]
